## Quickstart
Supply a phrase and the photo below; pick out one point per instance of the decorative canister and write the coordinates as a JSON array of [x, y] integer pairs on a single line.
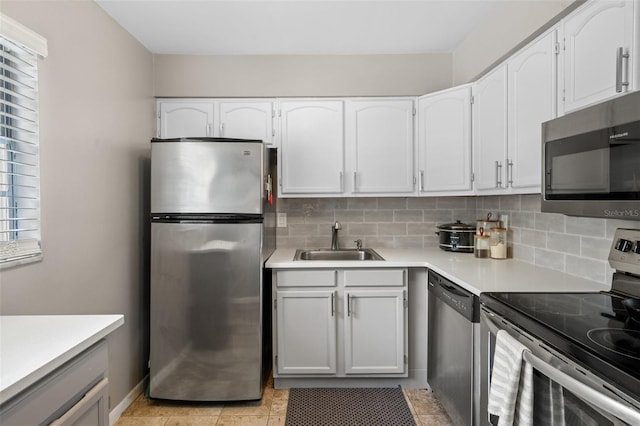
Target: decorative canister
[[481, 245], [487, 224], [498, 243]]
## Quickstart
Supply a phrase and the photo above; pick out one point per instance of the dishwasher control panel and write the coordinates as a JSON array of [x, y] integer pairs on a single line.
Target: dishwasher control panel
[[462, 301]]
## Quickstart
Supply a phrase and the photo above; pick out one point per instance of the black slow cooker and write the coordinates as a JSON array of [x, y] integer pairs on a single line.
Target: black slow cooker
[[456, 237]]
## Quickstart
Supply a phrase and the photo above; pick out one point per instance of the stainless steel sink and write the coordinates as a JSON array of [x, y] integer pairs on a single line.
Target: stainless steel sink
[[343, 254]]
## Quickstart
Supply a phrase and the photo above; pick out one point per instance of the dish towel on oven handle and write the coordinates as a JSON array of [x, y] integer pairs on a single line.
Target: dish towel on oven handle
[[511, 392]]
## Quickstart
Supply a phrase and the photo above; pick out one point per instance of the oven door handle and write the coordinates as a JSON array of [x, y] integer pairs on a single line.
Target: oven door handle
[[585, 392]]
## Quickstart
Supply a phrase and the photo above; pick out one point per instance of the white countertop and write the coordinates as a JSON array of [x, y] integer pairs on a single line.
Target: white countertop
[[32, 346], [475, 275]]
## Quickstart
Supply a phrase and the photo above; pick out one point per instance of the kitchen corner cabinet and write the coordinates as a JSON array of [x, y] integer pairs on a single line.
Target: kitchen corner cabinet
[[311, 146], [380, 140], [77, 393], [340, 323], [509, 106], [599, 53], [444, 141], [229, 118]]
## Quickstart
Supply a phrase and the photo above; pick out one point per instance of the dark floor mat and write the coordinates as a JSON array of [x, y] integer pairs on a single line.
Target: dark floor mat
[[348, 407]]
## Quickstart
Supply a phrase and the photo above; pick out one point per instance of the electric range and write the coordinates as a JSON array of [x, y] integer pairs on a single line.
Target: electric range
[[596, 330]]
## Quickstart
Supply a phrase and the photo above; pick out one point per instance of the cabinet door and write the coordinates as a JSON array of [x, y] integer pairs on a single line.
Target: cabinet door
[[490, 130], [444, 141], [185, 119], [374, 333], [591, 65], [306, 332], [312, 147], [380, 136], [532, 100], [247, 120]]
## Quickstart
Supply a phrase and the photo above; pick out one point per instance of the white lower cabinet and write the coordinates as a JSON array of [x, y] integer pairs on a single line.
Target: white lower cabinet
[[76, 394], [306, 332], [353, 323], [374, 331]]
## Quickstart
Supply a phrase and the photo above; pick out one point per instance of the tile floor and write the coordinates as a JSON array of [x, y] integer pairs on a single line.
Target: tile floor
[[270, 411]]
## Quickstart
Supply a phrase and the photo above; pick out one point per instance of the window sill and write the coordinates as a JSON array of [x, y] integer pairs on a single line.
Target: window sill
[[20, 262]]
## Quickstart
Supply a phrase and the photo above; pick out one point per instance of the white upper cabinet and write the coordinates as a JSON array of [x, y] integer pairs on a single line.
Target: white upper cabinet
[[490, 130], [229, 118], [312, 147], [444, 141], [598, 59], [531, 101], [380, 141], [189, 118], [247, 120], [510, 104]]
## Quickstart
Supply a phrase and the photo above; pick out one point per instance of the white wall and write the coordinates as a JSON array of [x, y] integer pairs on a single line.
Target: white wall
[[300, 75], [96, 119], [510, 23]]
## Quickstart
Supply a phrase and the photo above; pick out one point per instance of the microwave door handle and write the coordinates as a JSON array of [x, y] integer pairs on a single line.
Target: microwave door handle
[[587, 393]]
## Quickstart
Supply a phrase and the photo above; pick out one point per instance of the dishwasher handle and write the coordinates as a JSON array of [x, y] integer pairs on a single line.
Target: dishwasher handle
[[454, 289], [462, 301]]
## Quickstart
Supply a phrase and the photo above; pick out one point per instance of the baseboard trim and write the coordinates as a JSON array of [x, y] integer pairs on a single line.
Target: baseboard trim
[[117, 411]]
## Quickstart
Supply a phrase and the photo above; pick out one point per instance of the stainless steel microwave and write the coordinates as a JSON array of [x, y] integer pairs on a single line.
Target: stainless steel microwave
[[591, 161]]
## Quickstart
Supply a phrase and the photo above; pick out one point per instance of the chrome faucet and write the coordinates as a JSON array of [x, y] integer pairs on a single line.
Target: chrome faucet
[[334, 235]]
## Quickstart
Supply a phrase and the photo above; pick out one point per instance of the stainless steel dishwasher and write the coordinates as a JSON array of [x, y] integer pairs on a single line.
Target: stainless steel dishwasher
[[453, 349]]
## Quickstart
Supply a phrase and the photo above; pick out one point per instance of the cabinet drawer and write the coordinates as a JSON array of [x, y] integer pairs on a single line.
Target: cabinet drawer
[[50, 398], [374, 277], [307, 278]]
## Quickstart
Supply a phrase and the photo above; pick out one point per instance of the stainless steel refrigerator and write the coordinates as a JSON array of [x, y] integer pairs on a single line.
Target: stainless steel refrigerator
[[212, 229]]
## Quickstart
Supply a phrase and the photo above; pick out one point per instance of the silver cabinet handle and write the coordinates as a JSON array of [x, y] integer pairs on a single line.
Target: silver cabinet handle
[[333, 306], [355, 176], [421, 180], [221, 129], [348, 305], [498, 174], [509, 173], [620, 57], [208, 130], [341, 182]]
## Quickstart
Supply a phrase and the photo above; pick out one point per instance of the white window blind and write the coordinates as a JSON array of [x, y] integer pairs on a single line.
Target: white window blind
[[19, 154]]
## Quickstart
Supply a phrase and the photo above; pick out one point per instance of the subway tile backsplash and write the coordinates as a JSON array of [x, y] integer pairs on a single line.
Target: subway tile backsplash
[[577, 246], [378, 222]]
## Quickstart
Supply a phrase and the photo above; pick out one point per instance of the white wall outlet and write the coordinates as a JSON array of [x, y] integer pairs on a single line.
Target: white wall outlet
[[505, 220], [282, 220]]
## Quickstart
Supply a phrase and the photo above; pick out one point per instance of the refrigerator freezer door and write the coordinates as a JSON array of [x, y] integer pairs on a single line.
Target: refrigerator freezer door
[[206, 300], [207, 177]]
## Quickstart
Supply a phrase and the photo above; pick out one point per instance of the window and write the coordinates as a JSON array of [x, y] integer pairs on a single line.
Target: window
[[19, 149]]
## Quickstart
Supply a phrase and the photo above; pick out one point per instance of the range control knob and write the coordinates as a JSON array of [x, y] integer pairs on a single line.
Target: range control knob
[[623, 245], [636, 249]]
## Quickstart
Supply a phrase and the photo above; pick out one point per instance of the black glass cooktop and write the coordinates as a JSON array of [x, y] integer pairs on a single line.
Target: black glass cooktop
[[593, 328]]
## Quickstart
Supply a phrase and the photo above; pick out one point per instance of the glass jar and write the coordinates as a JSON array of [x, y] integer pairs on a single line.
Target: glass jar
[[498, 243], [481, 245]]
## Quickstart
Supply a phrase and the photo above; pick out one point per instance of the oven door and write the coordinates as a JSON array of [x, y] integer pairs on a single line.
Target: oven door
[[564, 394]]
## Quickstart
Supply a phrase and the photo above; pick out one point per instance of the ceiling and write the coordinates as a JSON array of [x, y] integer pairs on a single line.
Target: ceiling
[[298, 27]]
